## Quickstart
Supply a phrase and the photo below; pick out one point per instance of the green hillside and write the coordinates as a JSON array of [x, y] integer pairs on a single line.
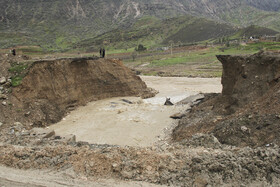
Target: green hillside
[[153, 32], [60, 25]]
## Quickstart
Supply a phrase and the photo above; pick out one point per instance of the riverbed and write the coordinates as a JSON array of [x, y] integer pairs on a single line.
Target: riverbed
[[132, 121]]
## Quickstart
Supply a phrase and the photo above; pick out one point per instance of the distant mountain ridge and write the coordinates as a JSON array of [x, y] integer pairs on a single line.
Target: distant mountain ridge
[[59, 23]]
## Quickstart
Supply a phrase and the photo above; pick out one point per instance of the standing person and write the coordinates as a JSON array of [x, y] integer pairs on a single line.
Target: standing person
[[14, 52], [100, 52], [103, 53]]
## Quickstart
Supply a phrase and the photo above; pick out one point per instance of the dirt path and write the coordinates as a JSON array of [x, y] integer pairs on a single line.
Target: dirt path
[[40, 178], [116, 122]]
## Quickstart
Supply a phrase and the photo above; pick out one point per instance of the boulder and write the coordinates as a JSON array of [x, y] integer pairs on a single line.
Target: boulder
[[42, 133], [178, 116], [2, 96], [168, 102], [3, 80]]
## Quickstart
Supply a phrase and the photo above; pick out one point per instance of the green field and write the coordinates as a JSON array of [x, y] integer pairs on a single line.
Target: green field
[[201, 63]]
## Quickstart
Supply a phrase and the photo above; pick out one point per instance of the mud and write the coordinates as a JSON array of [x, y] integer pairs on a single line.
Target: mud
[[138, 122]]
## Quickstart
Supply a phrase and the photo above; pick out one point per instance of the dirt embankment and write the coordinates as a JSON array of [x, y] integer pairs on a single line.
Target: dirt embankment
[[247, 111], [53, 87], [199, 161]]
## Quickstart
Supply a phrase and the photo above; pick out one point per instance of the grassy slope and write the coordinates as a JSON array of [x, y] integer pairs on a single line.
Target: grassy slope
[[202, 62], [152, 32], [245, 16]]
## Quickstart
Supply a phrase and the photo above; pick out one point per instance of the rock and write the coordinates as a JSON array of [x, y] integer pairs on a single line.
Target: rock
[[25, 133], [3, 80], [57, 137], [127, 101], [177, 116], [43, 133], [200, 181], [49, 134], [27, 114], [149, 168], [1, 88], [17, 124], [245, 129], [2, 96], [168, 102], [4, 103], [204, 140], [8, 84], [1, 124], [70, 138], [192, 99]]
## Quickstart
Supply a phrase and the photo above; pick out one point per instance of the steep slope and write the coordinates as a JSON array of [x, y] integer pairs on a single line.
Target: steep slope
[[51, 88], [57, 24], [247, 111]]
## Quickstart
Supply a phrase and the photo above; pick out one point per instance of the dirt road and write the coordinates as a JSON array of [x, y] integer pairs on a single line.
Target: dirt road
[[141, 123], [40, 178]]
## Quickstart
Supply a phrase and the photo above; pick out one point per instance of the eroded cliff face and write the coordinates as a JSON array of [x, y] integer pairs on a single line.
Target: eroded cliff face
[[246, 113], [245, 78], [53, 87]]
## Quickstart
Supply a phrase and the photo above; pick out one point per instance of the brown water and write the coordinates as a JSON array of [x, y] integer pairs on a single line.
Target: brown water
[[113, 121]]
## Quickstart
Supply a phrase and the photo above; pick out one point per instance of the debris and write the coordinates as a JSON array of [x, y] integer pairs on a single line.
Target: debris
[[168, 102], [178, 116], [43, 133], [126, 101]]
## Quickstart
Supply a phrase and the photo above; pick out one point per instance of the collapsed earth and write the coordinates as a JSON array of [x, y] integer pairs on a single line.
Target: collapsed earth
[[140, 93], [217, 138]]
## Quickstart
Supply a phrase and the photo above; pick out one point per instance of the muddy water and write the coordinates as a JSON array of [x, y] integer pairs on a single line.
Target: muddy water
[[139, 123]]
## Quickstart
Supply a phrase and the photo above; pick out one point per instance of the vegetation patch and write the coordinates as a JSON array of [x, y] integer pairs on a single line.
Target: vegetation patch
[[16, 80], [19, 71]]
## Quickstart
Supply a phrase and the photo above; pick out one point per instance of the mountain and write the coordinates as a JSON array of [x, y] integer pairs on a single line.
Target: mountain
[[151, 31], [58, 24]]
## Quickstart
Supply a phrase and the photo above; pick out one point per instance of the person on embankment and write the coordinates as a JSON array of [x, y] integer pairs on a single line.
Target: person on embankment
[[103, 53]]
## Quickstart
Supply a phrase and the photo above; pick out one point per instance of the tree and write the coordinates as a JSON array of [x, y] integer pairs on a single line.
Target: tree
[[141, 48]]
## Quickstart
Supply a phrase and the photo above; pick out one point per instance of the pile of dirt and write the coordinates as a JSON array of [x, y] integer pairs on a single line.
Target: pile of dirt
[[247, 111], [51, 88], [186, 164]]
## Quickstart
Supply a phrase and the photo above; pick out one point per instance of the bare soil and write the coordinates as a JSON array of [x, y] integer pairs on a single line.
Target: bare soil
[[247, 111], [228, 139]]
